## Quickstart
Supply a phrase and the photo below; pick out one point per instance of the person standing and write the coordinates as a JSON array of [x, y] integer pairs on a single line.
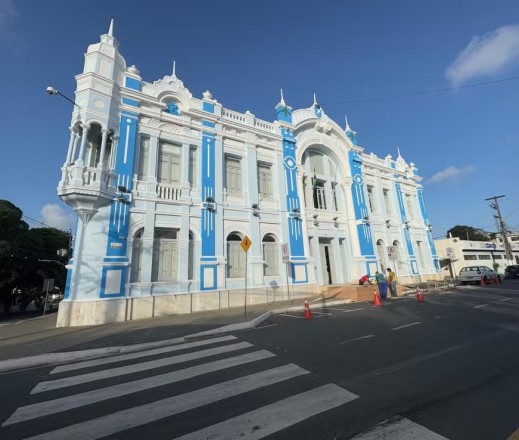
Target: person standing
[[392, 282], [382, 284]]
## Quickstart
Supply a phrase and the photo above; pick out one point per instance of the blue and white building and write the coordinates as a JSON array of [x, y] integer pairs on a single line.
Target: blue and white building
[[167, 185]]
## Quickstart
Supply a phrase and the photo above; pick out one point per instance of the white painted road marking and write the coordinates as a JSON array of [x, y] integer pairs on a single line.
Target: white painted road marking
[[151, 412], [480, 306], [406, 325], [399, 428], [129, 369], [140, 354], [505, 299], [272, 418], [352, 310], [356, 339], [78, 400], [290, 316]]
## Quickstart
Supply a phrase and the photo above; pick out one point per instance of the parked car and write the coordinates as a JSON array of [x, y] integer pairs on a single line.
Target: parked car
[[473, 274], [512, 271]]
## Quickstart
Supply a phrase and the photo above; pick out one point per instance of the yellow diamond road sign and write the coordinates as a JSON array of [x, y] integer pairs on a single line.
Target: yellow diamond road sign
[[245, 243]]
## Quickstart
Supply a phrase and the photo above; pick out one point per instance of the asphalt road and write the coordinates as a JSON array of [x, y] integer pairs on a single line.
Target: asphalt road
[[444, 368]]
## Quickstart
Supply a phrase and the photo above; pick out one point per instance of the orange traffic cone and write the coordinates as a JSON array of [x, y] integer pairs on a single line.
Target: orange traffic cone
[[419, 295], [308, 313], [482, 282], [376, 299]]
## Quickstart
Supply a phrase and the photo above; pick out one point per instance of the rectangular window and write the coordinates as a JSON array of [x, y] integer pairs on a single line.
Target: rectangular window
[[370, 199], [144, 152], [270, 254], [264, 181], [409, 206], [484, 257], [192, 167], [497, 257], [421, 260], [235, 260], [169, 164], [387, 201], [319, 195], [233, 176], [334, 193], [135, 272], [165, 255], [470, 257]]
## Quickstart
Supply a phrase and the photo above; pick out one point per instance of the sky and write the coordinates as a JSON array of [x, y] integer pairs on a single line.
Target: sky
[[438, 80]]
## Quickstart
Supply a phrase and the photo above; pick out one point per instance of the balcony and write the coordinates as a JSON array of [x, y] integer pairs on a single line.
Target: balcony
[[86, 189]]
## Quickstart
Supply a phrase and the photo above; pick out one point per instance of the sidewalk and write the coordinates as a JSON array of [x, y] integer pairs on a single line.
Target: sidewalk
[[38, 336]]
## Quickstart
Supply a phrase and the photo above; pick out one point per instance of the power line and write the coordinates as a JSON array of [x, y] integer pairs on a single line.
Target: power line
[[410, 94]]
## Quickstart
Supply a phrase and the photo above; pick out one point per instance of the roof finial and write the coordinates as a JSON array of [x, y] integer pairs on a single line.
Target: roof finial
[[111, 30], [315, 100], [398, 150], [282, 98], [347, 125], [174, 69]]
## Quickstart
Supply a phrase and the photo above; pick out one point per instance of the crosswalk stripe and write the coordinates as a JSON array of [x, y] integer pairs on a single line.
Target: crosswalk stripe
[[134, 368], [150, 412], [398, 428], [272, 418], [78, 400], [125, 357]]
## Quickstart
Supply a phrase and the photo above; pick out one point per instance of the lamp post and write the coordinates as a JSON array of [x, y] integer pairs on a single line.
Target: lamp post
[[53, 92]]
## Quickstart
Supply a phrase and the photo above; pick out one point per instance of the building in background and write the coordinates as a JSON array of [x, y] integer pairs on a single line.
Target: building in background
[[455, 254], [167, 186]]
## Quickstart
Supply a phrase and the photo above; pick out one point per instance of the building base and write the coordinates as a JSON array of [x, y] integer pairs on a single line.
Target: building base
[[103, 311]]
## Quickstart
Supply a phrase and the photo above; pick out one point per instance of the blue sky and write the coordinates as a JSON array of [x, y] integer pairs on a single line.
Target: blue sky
[[367, 59]]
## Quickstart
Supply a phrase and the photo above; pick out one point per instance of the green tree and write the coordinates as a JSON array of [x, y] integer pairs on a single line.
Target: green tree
[[464, 232], [21, 249]]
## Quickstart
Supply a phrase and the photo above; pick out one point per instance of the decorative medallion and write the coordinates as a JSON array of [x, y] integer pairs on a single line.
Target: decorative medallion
[[290, 162], [357, 178]]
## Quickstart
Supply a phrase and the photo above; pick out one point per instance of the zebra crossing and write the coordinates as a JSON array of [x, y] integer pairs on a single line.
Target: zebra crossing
[[73, 390]]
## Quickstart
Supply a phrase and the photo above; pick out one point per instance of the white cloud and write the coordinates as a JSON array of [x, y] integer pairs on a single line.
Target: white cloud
[[451, 173], [55, 216], [485, 55]]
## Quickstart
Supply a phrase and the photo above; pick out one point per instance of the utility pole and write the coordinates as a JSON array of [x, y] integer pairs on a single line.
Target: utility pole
[[501, 226]]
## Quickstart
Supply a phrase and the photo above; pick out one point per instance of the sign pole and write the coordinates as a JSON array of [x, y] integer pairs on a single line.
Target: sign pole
[[246, 270], [245, 245], [45, 302]]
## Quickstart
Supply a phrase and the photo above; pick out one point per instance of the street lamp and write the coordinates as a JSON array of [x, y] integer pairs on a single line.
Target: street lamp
[[52, 91]]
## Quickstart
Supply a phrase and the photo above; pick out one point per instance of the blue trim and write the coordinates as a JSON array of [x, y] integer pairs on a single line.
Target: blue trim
[[207, 171], [403, 216], [66, 294], [284, 113], [305, 281], [208, 124], [360, 205], [132, 102], [119, 294], [202, 277], [132, 83], [208, 107], [295, 224]]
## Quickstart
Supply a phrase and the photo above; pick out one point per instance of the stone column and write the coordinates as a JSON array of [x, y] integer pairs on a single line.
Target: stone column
[[81, 158], [184, 172], [104, 132], [71, 145]]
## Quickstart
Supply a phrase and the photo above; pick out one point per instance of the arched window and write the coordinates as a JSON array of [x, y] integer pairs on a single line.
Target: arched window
[[135, 269], [235, 256], [270, 256], [165, 255], [398, 254], [382, 252]]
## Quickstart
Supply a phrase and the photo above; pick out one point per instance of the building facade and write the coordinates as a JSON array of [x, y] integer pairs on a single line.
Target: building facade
[[167, 186], [455, 254]]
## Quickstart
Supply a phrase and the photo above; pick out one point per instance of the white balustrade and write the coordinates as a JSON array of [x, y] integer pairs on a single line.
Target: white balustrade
[[168, 192]]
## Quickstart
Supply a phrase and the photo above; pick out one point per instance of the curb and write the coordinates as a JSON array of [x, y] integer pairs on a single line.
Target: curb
[[96, 353]]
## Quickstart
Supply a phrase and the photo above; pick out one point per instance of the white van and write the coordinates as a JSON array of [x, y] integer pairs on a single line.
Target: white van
[[473, 274]]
